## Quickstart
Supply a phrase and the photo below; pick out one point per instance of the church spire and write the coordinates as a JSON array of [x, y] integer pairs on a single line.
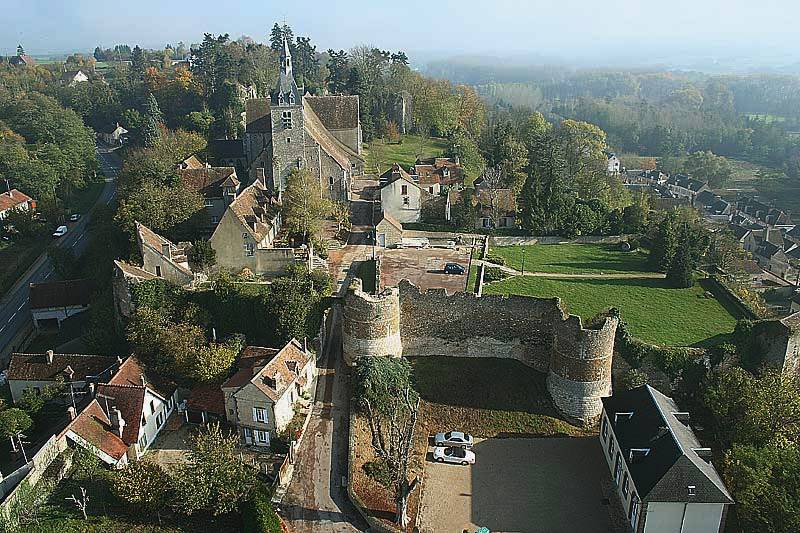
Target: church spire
[[286, 59]]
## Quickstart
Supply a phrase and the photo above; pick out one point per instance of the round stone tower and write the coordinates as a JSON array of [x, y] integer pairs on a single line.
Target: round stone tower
[[370, 324], [580, 370]]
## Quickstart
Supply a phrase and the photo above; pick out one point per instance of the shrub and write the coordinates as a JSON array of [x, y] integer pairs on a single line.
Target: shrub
[[496, 259], [380, 471], [634, 378], [258, 515], [491, 274]]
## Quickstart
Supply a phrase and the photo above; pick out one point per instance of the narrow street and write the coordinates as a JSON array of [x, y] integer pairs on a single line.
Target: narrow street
[[316, 500]]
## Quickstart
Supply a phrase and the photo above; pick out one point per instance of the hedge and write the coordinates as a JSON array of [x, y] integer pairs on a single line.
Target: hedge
[[258, 515]]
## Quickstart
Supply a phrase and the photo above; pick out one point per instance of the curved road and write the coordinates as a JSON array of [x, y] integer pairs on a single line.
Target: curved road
[[15, 315]]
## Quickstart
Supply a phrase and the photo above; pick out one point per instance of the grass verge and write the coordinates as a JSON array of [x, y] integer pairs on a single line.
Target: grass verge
[[572, 258]]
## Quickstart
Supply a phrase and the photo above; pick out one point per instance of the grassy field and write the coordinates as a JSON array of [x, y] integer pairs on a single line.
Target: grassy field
[[654, 312], [384, 154], [572, 258], [486, 397]]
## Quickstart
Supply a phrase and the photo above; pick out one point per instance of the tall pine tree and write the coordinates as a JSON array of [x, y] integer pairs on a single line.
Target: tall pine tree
[[151, 132]]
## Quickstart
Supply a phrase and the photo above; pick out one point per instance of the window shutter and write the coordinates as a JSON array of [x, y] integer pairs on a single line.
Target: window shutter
[[255, 414]]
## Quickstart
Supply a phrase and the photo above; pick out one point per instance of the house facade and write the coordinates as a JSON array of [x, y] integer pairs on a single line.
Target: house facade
[[261, 397], [663, 475], [401, 196], [163, 258], [125, 415], [245, 234], [73, 77], [613, 164], [388, 231], [114, 135], [217, 185]]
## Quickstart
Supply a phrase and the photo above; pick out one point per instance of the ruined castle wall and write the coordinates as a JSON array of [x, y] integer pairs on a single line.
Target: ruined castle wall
[[370, 324], [580, 370], [463, 325]]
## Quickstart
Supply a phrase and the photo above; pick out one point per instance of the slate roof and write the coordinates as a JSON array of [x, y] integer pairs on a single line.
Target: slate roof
[[68, 293], [287, 363], [255, 209], [331, 145], [257, 112], [209, 181], [13, 198], [22, 59], [707, 199], [231, 148], [335, 112], [34, 367], [672, 464]]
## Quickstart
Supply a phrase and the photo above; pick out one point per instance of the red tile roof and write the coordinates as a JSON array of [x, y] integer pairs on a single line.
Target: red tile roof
[[94, 426], [129, 400], [13, 198], [207, 397], [131, 372], [286, 364], [34, 367], [69, 293]]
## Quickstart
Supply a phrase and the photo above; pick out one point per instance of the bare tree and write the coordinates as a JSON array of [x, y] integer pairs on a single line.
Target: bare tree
[[80, 503], [491, 185]]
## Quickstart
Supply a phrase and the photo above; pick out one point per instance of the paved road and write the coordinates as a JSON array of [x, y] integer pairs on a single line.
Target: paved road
[[316, 500], [15, 316]]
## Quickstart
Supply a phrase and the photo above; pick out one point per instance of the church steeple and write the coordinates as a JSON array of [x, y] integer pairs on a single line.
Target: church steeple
[[287, 92], [286, 59]]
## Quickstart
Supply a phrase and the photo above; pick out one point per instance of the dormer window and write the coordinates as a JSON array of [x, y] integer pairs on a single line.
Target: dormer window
[[280, 98], [286, 120], [692, 490], [291, 98]]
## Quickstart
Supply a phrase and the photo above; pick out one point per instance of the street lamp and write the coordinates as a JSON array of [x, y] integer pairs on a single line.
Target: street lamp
[[523, 258]]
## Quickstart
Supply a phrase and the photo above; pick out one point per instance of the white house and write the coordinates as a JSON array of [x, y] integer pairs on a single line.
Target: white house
[[401, 197], [125, 416], [74, 77], [14, 199], [53, 302], [114, 135], [613, 163], [260, 397], [663, 475]]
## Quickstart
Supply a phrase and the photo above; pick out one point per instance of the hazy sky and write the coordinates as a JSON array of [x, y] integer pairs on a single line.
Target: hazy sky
[[565, 28]]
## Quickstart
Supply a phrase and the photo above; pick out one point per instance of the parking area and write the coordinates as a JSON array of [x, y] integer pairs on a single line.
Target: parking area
[[424, 267], [521, 485]]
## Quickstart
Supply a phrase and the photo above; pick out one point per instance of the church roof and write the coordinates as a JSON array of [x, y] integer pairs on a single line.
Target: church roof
[[335, 112], [332, 146], [258, 116]]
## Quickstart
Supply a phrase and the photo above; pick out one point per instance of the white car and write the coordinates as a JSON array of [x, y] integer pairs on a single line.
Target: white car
[[458, 456], [60, 231], [74, 217], [453, 438]]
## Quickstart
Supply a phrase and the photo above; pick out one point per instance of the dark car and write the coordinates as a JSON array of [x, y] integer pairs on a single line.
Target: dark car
[[454, 268]]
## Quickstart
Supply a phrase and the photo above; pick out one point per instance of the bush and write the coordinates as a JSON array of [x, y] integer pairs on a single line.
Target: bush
[[258, 515], [380, 471], [633, 378], [491, 274], [496, 259]]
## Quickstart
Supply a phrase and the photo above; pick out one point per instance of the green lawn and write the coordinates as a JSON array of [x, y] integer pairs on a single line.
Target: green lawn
[[487, 397], [572, 258], [654, 312], [384, 154]]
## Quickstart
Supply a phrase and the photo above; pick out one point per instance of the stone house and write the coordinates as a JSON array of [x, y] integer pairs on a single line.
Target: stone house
[[22, 60], [163, 258], [401, 196], [15, 200], [217, 185], [662, 473], [772, 258], [490, 204], [38, 371], [123, 279], [261, 397], [290, 130], [388, 231], [245, 234], [125, 415], [53, 302]]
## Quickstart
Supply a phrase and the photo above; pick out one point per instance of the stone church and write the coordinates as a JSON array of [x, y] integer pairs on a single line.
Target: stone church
[[290, 129]]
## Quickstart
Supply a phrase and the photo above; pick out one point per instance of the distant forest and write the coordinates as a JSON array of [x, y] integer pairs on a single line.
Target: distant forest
[[657, 113]]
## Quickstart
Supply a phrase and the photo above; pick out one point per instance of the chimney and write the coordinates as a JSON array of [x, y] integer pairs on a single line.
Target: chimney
[[49, 357], [71, 412], [117, 422], [144, 381], [277, 378], [305, 344], [92, 387], [166, 250]]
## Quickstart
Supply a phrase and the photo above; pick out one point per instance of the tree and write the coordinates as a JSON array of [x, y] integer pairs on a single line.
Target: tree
[[679, 273], [765, 483], [153, 122], [144, 486], [276, 38], [81, 503], [634, 378], [385, 395], [138, 66], [338, 71], [341, 214], [492, 185], [706, 166], [14, 421], [202, 256], [64, 261], [304, 207], [214, 479]]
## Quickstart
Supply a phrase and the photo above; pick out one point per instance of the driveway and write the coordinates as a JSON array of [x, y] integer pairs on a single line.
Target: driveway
[[533, 485], [423, 267]]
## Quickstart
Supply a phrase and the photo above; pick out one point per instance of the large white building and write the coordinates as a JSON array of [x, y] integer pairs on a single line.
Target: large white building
[[664, 476]]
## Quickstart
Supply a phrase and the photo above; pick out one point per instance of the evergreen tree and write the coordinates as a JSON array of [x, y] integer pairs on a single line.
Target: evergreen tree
[[138, 65], [153, 119], [679, 273], [339, 71], [276, 38]]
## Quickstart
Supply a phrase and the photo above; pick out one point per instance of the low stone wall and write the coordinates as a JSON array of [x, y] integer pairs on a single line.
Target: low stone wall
[[555, 239]]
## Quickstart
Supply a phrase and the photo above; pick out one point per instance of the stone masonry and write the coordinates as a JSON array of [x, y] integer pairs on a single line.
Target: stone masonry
[[534, 331]]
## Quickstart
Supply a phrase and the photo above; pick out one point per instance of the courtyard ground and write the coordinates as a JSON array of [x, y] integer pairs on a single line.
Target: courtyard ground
[[553, 485], [423, 267]]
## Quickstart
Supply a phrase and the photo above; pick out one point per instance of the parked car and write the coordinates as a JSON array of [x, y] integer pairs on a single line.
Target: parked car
[[453, 438], [60, 231], [454, 268], [458, 456], [74, 217]]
